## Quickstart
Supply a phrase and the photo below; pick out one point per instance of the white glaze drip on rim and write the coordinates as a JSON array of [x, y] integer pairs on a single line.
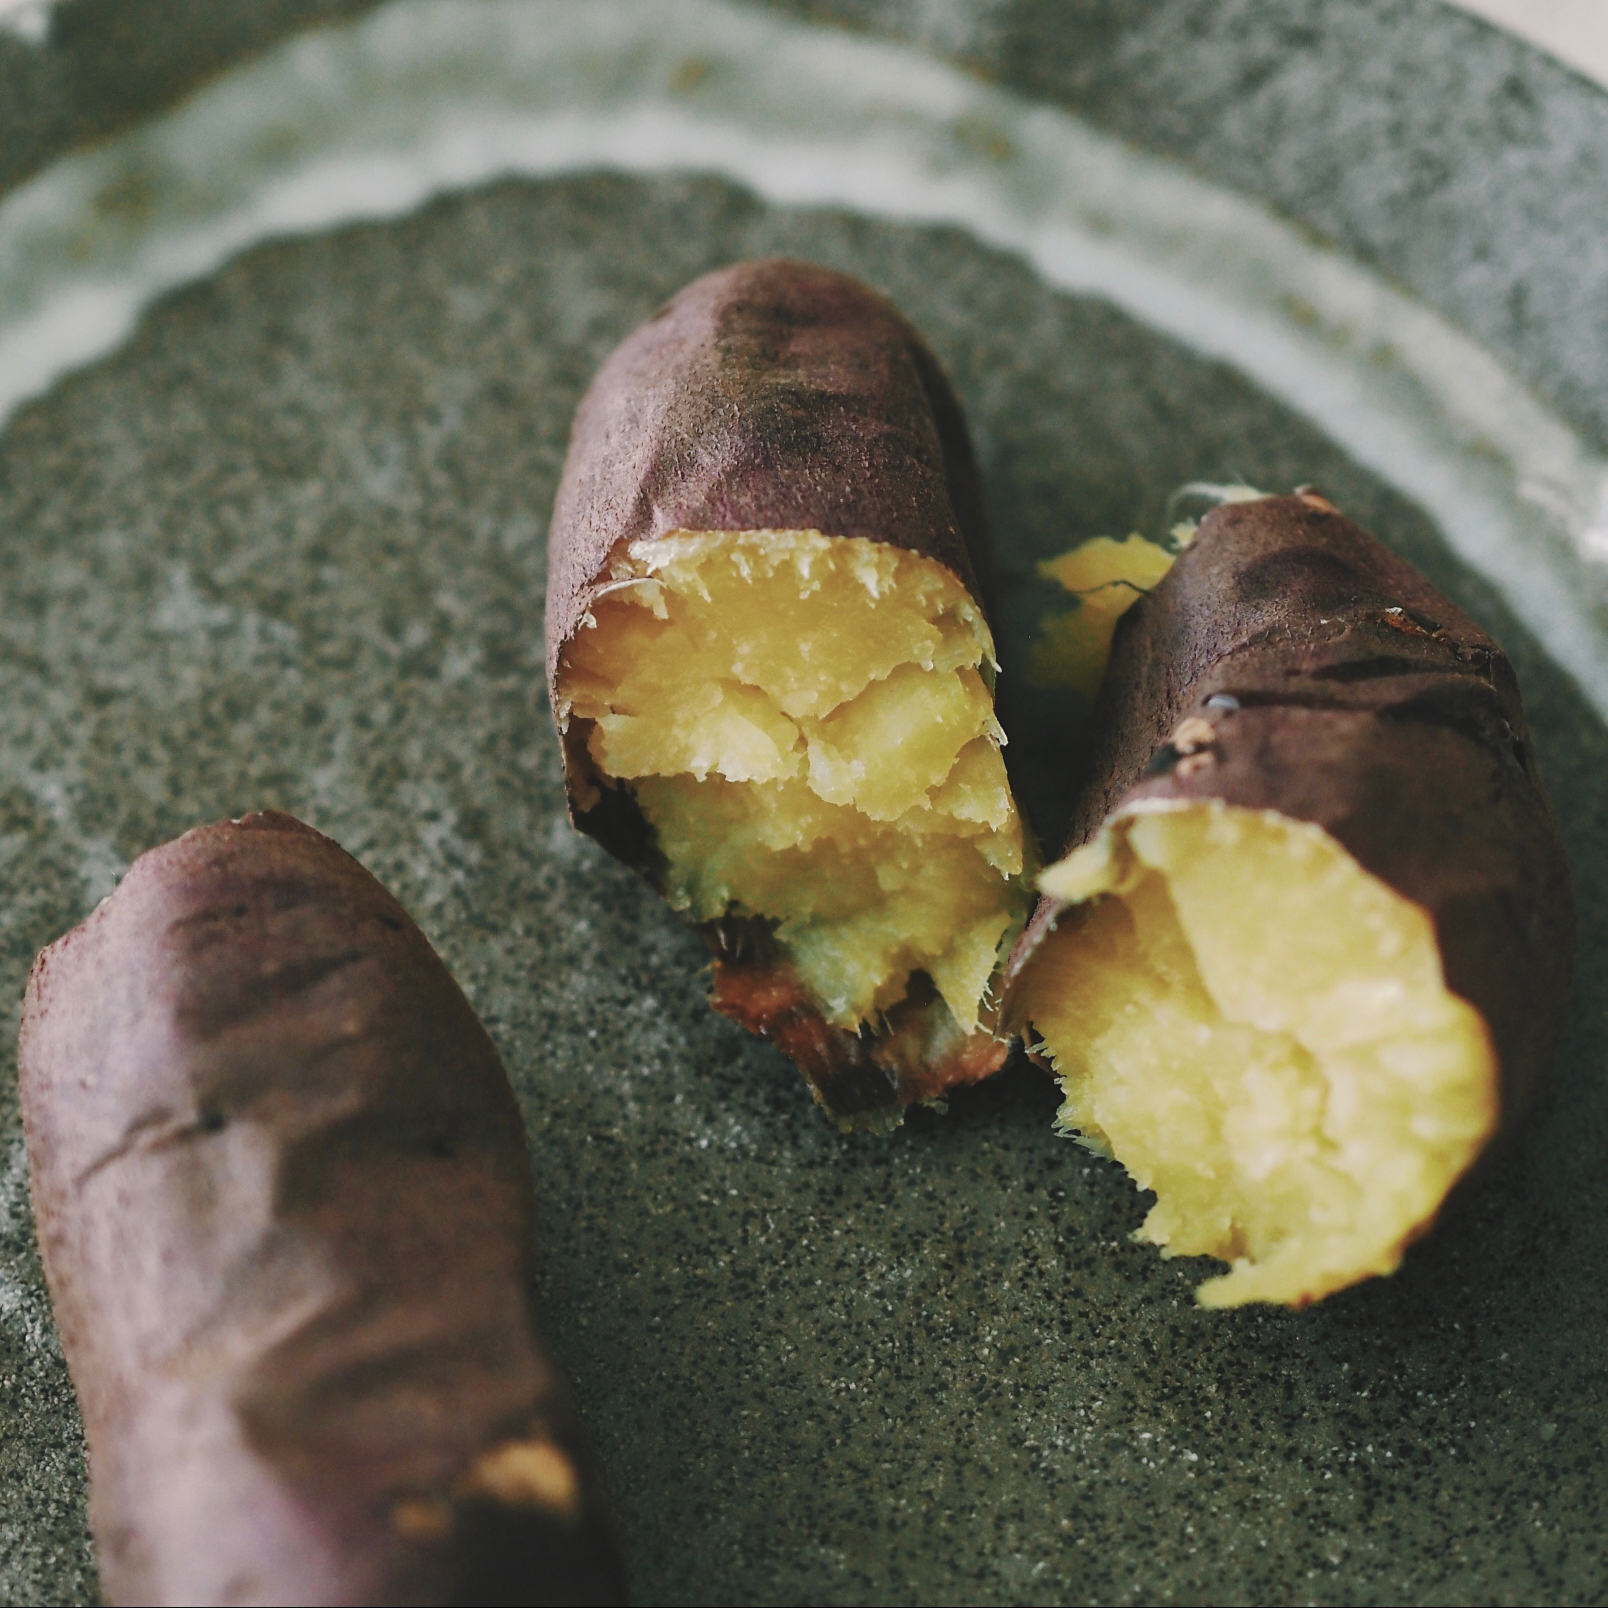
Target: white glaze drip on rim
[[428, 96]]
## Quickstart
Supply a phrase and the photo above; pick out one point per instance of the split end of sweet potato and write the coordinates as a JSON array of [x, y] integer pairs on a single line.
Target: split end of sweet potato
[[803, 729], [1261, 1032]]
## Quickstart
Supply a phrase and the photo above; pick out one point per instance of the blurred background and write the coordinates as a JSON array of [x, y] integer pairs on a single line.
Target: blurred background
[[1575, 31]]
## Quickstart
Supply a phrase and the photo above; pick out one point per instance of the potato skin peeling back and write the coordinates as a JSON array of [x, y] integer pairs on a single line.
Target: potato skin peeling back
[[1289, 675], [772, 671]]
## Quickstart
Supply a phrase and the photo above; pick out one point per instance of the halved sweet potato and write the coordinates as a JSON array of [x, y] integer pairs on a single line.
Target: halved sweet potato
[[1311, 947], [772, 670]]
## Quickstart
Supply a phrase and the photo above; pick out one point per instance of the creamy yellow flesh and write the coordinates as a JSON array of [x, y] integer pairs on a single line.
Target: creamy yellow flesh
[[804, 720], [1107, 578], [1260, 1032]]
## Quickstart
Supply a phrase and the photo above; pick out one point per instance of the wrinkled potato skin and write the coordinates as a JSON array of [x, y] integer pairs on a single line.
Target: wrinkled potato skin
[[772, 395], [286, 1214], [1400, 733]]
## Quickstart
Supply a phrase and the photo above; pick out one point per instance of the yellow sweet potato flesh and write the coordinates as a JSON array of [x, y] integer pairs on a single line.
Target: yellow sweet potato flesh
[[1260, 1032], [805, 721], [1106, 578]]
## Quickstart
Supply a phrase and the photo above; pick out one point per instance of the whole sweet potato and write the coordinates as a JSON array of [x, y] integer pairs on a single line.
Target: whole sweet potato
[[285, 1209]]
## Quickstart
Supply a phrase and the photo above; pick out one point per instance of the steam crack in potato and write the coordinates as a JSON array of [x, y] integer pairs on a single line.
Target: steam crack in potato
[[806, 723], [1299, 1104]]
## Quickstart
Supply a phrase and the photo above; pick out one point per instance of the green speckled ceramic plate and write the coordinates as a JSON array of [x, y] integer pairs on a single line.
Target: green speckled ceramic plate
[[288, 363]]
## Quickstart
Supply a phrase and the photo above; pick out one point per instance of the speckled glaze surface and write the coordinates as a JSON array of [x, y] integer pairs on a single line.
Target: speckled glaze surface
[[286, 549]]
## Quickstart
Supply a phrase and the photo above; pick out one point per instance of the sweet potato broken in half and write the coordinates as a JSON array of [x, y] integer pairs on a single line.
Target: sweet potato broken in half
[[1261, 1031], [1308, 951], [772, 671], [806, 724]]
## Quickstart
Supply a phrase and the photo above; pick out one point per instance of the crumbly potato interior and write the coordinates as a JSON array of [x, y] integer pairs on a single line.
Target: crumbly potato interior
[[1260, 1032], [1106, 578], [807, 722]]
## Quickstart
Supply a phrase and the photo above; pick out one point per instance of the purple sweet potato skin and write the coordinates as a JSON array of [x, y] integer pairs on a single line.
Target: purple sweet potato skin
[[771, 395], [1371, 706], [286, 1215]]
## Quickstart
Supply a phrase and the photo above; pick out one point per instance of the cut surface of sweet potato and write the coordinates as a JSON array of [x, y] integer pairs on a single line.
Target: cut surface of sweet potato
[[1259, 1031], [806, 723]]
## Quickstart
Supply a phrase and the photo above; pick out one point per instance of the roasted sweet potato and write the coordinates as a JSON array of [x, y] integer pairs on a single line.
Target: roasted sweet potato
[[1311, 946], [772, 670], [286, 1214]]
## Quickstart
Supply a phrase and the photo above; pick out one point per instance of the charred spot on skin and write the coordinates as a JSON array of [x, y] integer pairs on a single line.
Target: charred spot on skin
[[534, 1474], [759, 991], [1410, 623], [1315, 500], [422, 1518], [861, 1079], [1479, 657], [1187, 751]]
